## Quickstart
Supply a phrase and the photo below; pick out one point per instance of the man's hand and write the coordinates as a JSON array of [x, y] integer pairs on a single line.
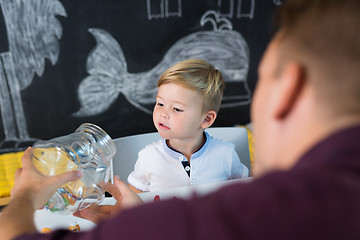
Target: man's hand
[[32, 189], [124, 196], [35, 186]]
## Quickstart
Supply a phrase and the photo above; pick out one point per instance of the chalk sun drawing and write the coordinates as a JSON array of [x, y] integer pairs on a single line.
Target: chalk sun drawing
[[106, 65], [33, 32]]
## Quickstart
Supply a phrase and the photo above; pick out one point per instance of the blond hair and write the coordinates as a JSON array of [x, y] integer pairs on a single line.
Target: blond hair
[[198, 75]]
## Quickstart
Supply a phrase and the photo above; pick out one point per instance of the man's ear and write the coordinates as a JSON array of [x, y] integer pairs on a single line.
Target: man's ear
[[291, 83], [209, 119]]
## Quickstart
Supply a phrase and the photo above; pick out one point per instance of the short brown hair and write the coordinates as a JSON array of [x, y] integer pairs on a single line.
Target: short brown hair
[[198, 75], [324, 35]]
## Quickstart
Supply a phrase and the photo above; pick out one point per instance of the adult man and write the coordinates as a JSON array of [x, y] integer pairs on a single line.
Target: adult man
[[306, 116]]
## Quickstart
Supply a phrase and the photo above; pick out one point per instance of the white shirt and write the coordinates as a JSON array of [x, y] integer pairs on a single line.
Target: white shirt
[[159, 167]]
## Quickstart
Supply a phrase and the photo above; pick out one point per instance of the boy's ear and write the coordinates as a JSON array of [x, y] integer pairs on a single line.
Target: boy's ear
[[209, 119], [290, 86]]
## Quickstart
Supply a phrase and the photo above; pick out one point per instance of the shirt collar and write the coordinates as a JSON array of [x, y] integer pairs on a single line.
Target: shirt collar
[[178, 155], [330, 148]]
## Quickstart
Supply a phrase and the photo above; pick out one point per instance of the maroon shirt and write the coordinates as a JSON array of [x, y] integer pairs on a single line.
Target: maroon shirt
[[317, 199]]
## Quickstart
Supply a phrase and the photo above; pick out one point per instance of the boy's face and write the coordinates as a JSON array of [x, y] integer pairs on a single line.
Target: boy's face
[[178, 112]]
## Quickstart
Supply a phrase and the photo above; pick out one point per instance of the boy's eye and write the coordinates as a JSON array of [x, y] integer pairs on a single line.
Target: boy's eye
[[177, 109], [159, 104]]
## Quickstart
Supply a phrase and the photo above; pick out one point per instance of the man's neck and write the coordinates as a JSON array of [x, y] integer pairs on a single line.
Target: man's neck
[[314, 130]]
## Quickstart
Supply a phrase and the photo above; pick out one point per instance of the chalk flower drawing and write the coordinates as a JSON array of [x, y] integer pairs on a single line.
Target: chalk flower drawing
[[108, 77], [33, 32]]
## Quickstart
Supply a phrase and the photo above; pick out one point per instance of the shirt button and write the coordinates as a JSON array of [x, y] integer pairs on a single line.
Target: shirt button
[[181, 158], [193, 179], [187, 168]]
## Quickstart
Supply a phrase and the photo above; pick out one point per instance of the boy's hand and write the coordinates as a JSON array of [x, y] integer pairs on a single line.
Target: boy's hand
[[124, 196]]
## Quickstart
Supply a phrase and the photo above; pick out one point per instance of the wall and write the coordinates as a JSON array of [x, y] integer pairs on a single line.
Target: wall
[[68, 62]]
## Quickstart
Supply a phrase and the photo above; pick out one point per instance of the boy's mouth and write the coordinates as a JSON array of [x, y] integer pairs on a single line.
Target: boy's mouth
[[163, 126]]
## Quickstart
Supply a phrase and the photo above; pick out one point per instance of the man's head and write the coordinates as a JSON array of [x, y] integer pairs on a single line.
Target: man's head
[[309, 84], [323, 36], [198, 75]]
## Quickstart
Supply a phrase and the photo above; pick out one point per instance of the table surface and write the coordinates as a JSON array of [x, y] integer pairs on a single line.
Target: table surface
[[44, 218]]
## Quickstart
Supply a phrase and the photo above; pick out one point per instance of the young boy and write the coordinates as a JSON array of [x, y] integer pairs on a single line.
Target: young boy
[[187, 102]]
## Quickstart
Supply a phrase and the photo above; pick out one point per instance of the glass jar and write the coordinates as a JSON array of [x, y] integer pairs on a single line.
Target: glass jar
[[90, 150]]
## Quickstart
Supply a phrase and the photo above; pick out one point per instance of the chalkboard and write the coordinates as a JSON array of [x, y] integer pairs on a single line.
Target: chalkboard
[[67, 62]]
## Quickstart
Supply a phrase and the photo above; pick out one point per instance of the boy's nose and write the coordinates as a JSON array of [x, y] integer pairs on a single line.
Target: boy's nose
[[164, 114]]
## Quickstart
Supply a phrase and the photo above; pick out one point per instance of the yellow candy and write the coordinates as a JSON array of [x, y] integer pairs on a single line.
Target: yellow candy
[[46, 230]]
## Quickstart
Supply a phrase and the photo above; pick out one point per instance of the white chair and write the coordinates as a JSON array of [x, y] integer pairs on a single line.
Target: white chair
[[128, 147]]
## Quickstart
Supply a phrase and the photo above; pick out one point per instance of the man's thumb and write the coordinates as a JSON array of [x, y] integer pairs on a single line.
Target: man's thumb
[[63, 178]]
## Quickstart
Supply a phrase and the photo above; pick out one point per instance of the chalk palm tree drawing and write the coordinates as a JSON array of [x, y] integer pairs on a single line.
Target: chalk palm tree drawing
[[108, 76], [33, 32]]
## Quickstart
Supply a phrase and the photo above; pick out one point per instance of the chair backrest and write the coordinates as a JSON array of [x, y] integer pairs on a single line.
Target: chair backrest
[[128, 147], [237, 136]]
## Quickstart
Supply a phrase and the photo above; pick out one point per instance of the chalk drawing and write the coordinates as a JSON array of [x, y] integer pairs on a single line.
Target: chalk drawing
[[230, 12], [278, 2], [217, 22], [33, 32], [163, 8], [108, 77], [173, 4], [245, 8], [245, 12]]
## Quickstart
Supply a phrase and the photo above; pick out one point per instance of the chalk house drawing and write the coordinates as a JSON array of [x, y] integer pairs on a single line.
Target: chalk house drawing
[[163, 8], [106, 65], [33, 32]]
